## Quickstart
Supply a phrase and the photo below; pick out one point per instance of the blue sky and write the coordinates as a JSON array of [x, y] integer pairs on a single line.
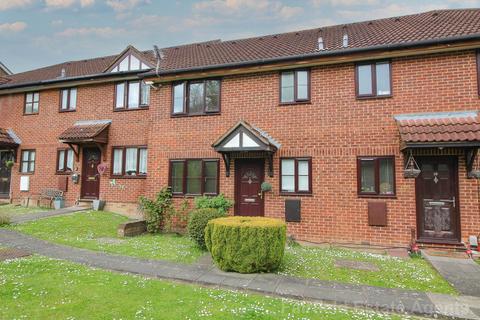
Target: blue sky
[[36, 33]]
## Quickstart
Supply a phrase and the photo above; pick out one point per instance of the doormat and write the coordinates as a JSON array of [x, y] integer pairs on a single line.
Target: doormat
[[356, 265], [12, 253]]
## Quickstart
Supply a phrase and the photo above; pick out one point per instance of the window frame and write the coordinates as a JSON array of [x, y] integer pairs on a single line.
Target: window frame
[[64, 171], [295, 87], [186, 98], [123, 175], [28, 161], [373, 70], [69, 107], [184, 178], [25, 113], [310, 178], [377, 193], [126, 88]]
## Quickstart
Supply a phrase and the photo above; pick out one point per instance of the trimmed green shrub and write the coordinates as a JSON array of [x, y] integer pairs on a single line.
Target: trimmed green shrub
[[219, 202], [197, 222], [246, 244], [4, 219]]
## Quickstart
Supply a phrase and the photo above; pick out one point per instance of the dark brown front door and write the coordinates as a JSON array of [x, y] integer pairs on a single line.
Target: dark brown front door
[[249, 174], [5, 173], [90, 176], [438, 218]]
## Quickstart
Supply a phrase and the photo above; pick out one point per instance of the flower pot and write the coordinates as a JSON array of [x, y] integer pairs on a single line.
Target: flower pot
[[58, 204], [411, 173], [98, 205]]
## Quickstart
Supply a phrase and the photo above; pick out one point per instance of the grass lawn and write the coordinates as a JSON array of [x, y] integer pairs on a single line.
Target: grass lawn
[[42, 288], [16, 210], [414, 274], [96, 230]]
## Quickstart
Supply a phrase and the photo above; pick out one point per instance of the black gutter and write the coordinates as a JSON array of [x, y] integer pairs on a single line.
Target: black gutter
[[58, 80], [325, 53]]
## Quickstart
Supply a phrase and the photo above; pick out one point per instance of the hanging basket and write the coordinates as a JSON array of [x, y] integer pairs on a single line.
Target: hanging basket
[[412, 170]]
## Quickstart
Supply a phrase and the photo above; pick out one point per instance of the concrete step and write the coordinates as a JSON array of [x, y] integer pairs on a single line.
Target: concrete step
[[85, 203]]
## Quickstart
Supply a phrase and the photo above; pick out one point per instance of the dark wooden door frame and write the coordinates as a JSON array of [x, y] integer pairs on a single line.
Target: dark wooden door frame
[[237, 183], [419, 204], [84, 170], [6, 195]]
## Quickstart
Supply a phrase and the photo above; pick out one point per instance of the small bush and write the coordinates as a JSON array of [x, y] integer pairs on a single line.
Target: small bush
[[197, 222], [156, 210], [4, 219], [246, 244], [219, 202]]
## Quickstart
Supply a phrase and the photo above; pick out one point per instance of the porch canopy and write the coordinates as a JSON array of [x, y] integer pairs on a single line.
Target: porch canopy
[[9, 140], [441, 130], [86, 132], [245, 140]]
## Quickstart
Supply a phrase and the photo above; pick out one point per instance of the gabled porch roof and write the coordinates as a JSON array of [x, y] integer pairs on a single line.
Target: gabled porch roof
[[8, 138], [245, 137]]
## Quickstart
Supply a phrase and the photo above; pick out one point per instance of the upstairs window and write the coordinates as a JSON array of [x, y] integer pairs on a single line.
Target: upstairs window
[[196, 97], [131, 95], [376, 176], [295, 175], [129, 161], [130, 63], [28, 161], [194, 177], [68, 99], [32, 100], [295, 86], [65, 160], [373, 79]]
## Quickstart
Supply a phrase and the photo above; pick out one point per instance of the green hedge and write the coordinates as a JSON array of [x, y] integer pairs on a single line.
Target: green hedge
[[246, 244], [197, 221]]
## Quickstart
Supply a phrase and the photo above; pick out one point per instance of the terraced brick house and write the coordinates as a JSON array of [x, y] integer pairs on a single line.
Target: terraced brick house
[[367, 133]]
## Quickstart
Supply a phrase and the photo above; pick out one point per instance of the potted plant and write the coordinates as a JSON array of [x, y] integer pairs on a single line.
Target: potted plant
[[58, 202], [98, 205], [266, 187], [9, 164]]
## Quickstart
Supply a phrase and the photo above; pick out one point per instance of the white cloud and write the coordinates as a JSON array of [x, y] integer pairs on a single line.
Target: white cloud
[[59, 3], [56, 23], [12, 4], [343, 3], [390, 10], [124, 5], [83, 32], [13, 27], [87, 3], [264, 8]]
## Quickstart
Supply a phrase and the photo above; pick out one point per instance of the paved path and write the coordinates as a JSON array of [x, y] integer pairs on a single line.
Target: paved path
[[463, 274], [394, 300], [16, 219]]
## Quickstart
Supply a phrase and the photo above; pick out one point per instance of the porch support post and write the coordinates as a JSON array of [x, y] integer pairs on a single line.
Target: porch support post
[[103, 148], [270, 164], [226, 160], [75, 151], [470, 155]]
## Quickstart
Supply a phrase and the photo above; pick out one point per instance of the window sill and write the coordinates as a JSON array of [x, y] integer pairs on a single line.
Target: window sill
[[376, 196], [27, 173], [128, 177], [374, 97], [66, 111], [134, 109], [296, 194], [191, 196], [294, 103], [60, 173], [184, 115], [31, 114]]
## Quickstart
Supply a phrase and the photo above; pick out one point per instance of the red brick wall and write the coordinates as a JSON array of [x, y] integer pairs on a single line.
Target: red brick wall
[[333, 129]]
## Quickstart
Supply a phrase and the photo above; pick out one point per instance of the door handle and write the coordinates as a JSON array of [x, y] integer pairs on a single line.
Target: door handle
[[260, 194]]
